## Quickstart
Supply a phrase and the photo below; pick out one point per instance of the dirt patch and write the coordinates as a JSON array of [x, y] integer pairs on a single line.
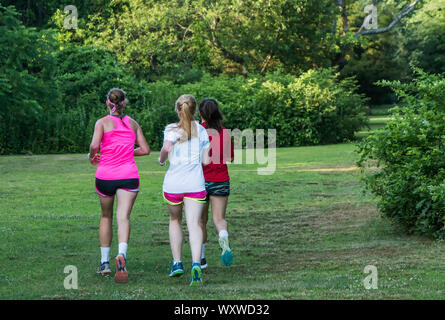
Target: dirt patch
[[68, 158], [323, 195]]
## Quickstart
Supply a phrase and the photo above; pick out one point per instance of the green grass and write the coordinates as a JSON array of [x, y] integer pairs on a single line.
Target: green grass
[[379, 117], [305, 232], [381, 110]]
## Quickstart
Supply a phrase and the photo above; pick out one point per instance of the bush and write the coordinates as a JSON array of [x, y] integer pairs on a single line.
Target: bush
[[53, 93], [27, 88], [313, 108], [410, 155], [154, 109], [84, 75]]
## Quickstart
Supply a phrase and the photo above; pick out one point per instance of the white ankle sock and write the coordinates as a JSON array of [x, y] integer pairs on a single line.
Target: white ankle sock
[[203, 251], [105, 254], [123, 246], [223, 234]]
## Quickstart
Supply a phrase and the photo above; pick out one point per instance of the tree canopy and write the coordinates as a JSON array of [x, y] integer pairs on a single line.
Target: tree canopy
[[147, 45]]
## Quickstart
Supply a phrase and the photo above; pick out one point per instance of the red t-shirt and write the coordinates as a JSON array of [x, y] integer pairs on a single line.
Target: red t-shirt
[[221, 151]]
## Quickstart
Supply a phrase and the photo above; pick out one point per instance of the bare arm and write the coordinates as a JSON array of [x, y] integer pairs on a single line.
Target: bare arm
[[143, 149], [205, 157], [166, 148], [228, 151], [95, 142]]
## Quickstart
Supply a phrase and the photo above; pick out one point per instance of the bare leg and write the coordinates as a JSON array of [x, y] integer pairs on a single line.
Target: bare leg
[[203, 221], [106, 221], [193, 211], [175, 231], [125, 201], [219, 205]]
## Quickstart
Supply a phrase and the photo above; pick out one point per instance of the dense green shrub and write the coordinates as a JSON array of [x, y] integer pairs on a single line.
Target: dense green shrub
[[27, 88], [410, 156], [54, 92], [84, 75], [154, 109], [312, 108]]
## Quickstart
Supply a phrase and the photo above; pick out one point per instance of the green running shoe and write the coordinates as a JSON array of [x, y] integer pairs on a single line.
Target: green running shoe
[[227, 254], [196, 275], [177, 269]]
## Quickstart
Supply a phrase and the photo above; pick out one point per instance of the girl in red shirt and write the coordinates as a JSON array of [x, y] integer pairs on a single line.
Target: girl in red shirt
[[216, 175]]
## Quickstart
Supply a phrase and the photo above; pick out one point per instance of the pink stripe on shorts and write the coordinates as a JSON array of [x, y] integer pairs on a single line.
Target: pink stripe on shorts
[[178, 198]]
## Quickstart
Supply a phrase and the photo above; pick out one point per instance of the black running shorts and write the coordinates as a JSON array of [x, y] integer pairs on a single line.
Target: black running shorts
[[107, 188]]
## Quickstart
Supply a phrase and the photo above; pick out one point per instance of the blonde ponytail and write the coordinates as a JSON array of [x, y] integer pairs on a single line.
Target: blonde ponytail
[[186, 107]]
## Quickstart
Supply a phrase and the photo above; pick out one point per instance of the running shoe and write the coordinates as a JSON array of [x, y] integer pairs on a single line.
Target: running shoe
[[196, 275], [176, 270], [104, 268], [203, 263], [121, 268], [227, 254]]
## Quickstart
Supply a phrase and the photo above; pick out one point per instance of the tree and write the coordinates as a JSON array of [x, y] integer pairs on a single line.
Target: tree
[[27, 87], [423, 41], [347, 31], [227, 36]]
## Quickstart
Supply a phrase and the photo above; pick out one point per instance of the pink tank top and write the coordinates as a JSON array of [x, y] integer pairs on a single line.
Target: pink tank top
[[117, 152]]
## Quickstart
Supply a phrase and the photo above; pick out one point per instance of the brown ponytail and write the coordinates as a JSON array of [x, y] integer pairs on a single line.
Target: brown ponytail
[[117, 99]]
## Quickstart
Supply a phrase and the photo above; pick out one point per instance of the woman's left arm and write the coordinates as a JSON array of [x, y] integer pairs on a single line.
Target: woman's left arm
[[143, 149], [95, 143], [205, 157]]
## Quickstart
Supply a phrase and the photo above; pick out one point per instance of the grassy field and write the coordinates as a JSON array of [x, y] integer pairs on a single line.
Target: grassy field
[[305, 232], [378, 119]]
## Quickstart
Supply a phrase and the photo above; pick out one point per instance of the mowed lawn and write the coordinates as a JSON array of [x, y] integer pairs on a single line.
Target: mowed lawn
[[304, 232]]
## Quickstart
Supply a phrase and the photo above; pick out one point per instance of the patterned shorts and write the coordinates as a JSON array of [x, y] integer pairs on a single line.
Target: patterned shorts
[[218, 189]]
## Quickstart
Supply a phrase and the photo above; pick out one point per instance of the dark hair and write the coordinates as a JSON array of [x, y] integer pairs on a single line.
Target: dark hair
[[211, 113], [118, 98]]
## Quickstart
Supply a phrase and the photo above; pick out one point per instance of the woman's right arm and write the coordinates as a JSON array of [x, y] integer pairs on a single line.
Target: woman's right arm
[[95, 142], [166, 148], [170, 136]]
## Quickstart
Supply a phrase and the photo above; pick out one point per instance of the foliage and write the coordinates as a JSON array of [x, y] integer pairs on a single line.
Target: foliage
[[266, 62], [27, 87], [410, 155], [85, 74], [416, 40], [423, 41], [313, 108], [69, 86], [175, 40], [180, 40]]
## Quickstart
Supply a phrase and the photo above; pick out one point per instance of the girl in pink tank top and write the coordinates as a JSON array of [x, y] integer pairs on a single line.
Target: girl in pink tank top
[[117, 152], [117, 175]]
